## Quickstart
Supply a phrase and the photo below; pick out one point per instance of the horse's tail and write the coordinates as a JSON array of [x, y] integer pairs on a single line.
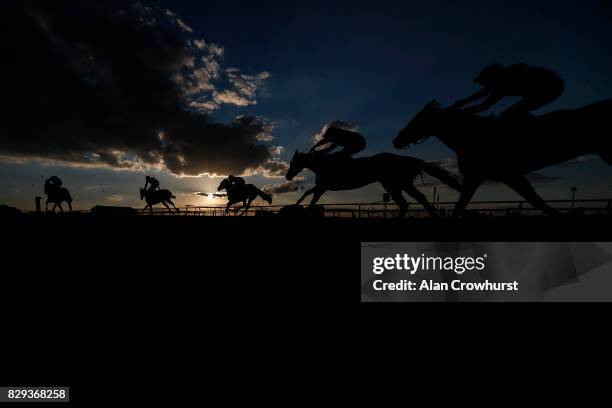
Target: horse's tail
[[264, 196], [434, 170]]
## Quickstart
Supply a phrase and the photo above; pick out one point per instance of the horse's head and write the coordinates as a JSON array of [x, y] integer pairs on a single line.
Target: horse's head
[[143, 193], [296, 166], [224, 185], [420, 128]]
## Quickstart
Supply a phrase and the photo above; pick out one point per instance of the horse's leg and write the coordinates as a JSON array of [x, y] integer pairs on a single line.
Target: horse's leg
[[397, 196], [171, 202], [69, 205], [60, 207], [420, 197], [469, 187], [47, 206], [316, 196], [168, 207], [239, 208], [229, 205], [522, 186], [247, 206], [306, 194]]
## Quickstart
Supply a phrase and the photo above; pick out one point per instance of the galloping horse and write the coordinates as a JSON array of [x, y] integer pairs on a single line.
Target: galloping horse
[[156, 197], [245, 195], [506, 149], [57, 196], [395, 173]]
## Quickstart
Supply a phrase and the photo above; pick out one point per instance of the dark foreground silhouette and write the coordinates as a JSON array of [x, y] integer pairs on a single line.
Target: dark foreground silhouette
[[6, 211], [153, 197], [298, 211], [395, 173], [241, 193], [107, 211], [343, 229], [506, 149]]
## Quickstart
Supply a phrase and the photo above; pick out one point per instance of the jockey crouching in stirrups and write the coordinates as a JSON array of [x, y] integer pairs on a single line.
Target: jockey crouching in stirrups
[[351, 142], [153, 182], [536, 86]]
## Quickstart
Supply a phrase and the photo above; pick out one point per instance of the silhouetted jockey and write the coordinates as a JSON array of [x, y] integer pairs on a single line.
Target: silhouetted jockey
[[153, 182], [237, 182], [351, 142], [52, 183], [537, 87]]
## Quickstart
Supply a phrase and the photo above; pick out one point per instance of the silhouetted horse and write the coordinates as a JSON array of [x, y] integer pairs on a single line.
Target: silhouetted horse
[[57, 196], [505, 150], [157, 197], [245, 194], [395, 173]]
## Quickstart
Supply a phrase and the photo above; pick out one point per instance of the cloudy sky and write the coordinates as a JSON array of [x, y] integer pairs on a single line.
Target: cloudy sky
[[103, 93]]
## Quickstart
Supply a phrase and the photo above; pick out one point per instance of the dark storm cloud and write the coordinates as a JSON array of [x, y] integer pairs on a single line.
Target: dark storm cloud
[[275, 168], [119, 84], [211, 195]]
